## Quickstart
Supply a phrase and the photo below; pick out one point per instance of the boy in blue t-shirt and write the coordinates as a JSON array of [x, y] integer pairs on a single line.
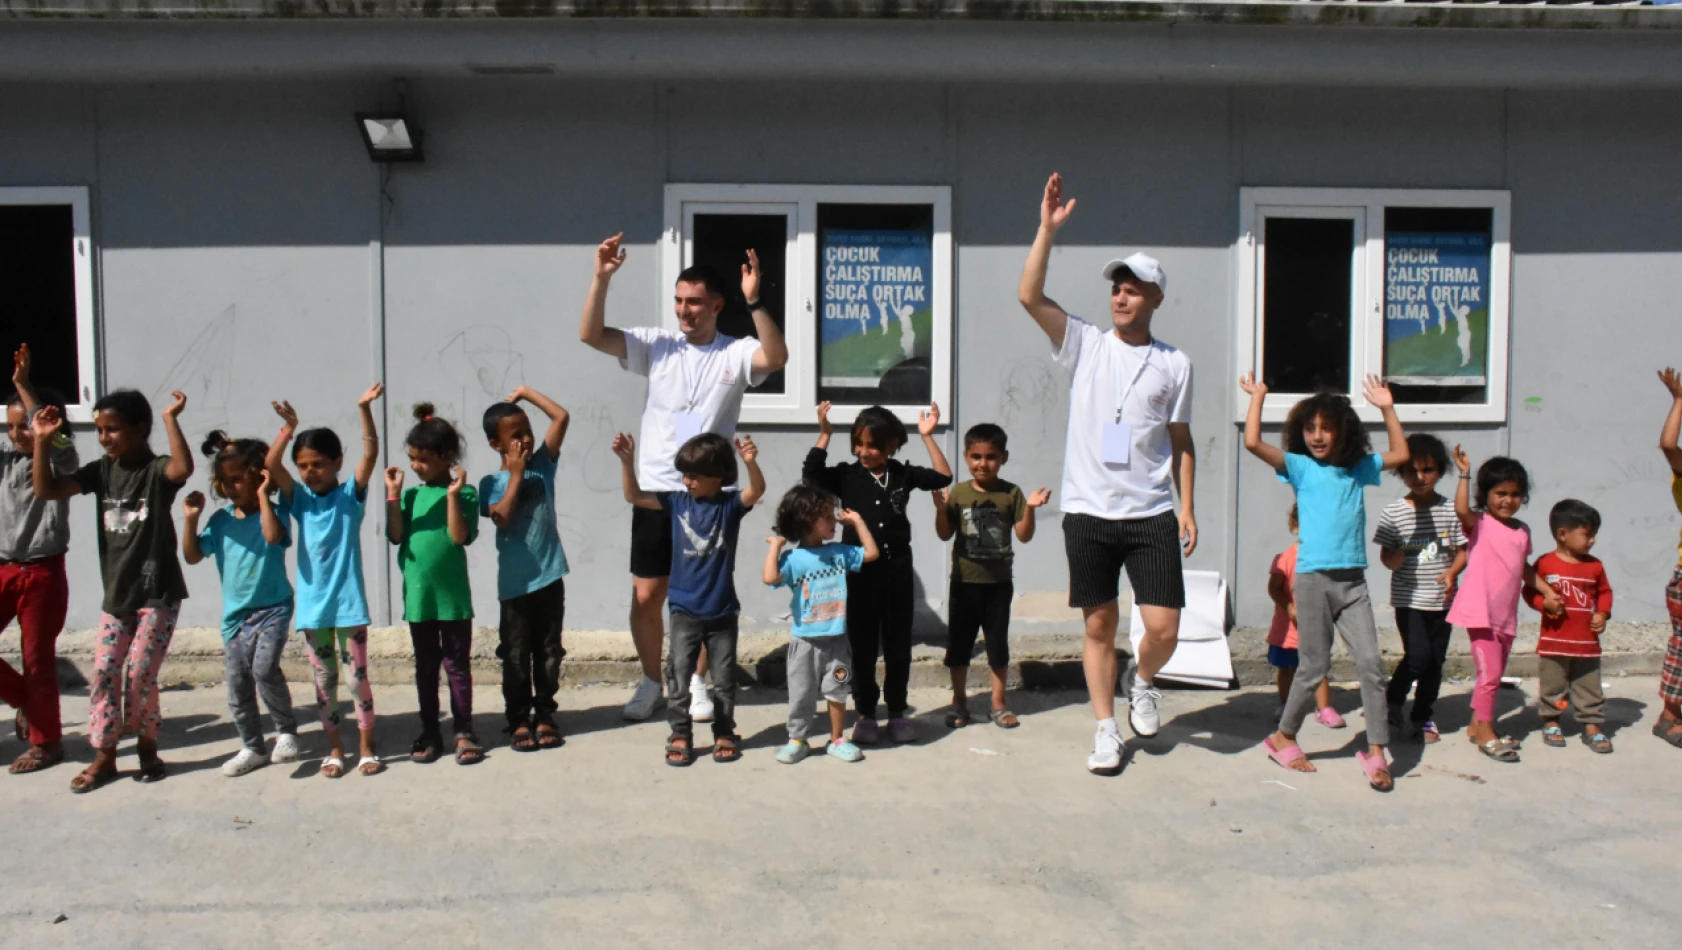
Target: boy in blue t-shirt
[[819, 658], [702, 588], [530, 565]]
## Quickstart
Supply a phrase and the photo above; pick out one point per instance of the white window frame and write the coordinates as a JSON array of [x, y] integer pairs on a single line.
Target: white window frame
[[80, 403], [798, 403], [1365, 207]]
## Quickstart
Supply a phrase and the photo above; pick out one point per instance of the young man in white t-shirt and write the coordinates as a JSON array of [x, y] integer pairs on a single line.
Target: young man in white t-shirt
[[1128, 445], [696, 378]]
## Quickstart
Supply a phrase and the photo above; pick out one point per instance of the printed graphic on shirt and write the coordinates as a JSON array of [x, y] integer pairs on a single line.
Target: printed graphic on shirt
[[700, 546], [119, 519], [1578, 592], [986, 534], [824, 594]]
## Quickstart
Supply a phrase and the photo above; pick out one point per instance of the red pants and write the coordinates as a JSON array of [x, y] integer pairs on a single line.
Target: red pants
[[37, 595]]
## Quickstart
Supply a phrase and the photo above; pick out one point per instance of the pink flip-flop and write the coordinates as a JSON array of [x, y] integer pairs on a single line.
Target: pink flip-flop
[[1329, 718], [1372, 764], [1284, 756]]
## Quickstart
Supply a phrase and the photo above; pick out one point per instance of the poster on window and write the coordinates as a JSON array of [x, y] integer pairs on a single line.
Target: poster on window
[[878, 292], [1436, 308]]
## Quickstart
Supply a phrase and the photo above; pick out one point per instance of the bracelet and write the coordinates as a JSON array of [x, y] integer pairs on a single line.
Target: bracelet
[[286, 432], [391, 498], [1466, 475], [370, 438], [755, 305]]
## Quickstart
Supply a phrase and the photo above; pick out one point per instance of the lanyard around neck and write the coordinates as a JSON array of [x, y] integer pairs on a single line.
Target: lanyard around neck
[[692, 381], [1137, 375]]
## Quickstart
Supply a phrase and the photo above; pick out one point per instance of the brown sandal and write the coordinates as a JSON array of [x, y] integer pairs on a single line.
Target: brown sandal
[[726, 748], [521, 739], [36, 759], [91, 778], [549, 735]]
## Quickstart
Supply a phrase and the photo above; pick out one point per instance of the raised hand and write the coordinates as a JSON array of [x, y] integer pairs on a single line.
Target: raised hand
[[458, 479], [515, 458], [848, 516], [1672, 381], [1377, 392], [288, 415], [193, 505], [1040, 497], [393, 482], [750, 277], [926, 421], [610, 256], [776, 541], [625, 447], [1462, 461], [264, 484], [519, 393], [825, 430], [173, 410], [374, 392], [747, 449], [1053, 210], [1251, 385], [47, 422], [20, 367]]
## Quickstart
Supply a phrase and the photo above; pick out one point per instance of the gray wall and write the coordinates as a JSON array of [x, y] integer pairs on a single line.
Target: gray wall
[[241, 236]]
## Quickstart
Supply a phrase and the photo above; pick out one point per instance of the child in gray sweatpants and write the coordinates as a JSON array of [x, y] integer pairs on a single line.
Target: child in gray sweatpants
[[819, 658]]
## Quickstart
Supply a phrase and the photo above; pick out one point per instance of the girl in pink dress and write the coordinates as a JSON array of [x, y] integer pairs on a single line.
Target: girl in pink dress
[[1497, 569]]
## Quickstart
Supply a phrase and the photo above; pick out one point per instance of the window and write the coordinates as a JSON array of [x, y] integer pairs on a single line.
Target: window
[[47, 271], [859, 278], [1336, 284]]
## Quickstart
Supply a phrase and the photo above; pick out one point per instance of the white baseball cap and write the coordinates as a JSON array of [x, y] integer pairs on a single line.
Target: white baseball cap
[[1142, 266]]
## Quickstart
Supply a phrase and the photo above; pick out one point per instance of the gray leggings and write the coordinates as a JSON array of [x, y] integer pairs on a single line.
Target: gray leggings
[[1328, 601], [251, 661]]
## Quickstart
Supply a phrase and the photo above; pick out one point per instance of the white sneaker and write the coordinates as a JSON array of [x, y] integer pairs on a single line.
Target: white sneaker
[[1107, 749], [1141, 708], [650, 696], [244, 763], [700, 701], [285, 749]]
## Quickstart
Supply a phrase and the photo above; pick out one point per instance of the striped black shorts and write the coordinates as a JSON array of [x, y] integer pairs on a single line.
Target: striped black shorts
[[1099, 548]]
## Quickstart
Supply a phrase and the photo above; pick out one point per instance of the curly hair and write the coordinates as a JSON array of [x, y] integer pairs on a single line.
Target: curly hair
[[1498, 471], [800, 509], [222, 450], [1336, 413], [432, 434]]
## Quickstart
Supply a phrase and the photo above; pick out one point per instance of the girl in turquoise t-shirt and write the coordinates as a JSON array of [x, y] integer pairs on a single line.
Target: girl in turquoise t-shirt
[[248, 540], [432, 524], [1328, 462]]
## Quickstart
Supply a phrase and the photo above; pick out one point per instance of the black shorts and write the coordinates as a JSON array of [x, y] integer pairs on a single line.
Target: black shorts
[[1149, 548], [978, 607], [651, 542]]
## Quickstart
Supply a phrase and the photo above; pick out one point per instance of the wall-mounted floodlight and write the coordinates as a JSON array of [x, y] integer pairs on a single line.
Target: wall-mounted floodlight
[[390, 137]]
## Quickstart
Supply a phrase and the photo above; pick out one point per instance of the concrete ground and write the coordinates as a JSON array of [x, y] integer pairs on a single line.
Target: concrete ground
[[975, 838]]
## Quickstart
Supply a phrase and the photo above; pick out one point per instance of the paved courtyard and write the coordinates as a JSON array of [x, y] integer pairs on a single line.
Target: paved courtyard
[[974, 838]]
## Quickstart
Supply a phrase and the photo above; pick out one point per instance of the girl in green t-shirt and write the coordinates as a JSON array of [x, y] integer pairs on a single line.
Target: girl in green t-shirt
[[433, 523]]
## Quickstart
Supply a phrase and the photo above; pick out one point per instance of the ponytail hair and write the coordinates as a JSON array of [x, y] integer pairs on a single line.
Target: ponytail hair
[[433, 434], [221, 449], [322, 441]]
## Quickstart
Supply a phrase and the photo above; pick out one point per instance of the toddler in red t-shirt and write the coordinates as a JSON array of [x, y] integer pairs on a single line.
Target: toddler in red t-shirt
[[1569, 649]]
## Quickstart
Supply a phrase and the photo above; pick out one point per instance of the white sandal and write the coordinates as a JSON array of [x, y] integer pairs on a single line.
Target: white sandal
[[332, 762]]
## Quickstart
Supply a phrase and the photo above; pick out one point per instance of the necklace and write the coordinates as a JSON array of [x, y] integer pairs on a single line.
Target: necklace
[[882, 482]]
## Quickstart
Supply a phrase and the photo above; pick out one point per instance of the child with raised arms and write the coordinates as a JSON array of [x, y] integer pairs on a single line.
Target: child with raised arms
[[248, 540], [982, 514], [1328, 461], [332, 604], [530, 564], [135, 489], [1668, 725], [432, 524], [820, 659]]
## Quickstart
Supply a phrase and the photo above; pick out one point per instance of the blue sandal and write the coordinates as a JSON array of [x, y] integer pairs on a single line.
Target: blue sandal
[[1599, 742], [1554, 736]]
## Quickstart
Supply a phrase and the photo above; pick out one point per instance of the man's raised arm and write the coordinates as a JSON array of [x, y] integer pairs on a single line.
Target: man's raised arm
[[592, 326], [1031, 292]]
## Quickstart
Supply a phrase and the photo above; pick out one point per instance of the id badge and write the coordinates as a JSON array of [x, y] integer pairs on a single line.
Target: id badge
[[1117, 447], [687, 425]]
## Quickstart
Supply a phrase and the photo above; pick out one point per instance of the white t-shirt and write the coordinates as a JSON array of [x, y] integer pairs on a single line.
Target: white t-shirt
[[1102, 369], [707, 381]]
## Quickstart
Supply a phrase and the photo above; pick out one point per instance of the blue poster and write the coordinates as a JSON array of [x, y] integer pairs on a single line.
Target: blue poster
[[878, 293], [1436, 308]]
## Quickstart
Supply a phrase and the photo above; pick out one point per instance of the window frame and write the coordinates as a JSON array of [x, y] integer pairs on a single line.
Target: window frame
[[1366, 206], [80, 403], [797, 404]]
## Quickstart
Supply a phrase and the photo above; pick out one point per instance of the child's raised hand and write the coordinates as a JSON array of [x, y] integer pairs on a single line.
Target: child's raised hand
[[519, 393], [367, 398], [393, 482], [625, 447], [776, 541], [1377, 392], [265, 484], [288, 415], [610, 256], [193, 505], [46, 423], [1672, 381], [1462, 461], [458, 479], [848, 516], [1251, 385], [926, 421], [173, 410], [824, 428], [20, 366], [1040, 497], [746, 448]]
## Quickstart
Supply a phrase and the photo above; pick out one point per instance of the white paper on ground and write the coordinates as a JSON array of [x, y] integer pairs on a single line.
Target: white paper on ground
[[1202, 657]]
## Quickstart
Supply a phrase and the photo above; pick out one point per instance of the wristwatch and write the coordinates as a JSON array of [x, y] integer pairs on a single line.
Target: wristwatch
[[755, 305]]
